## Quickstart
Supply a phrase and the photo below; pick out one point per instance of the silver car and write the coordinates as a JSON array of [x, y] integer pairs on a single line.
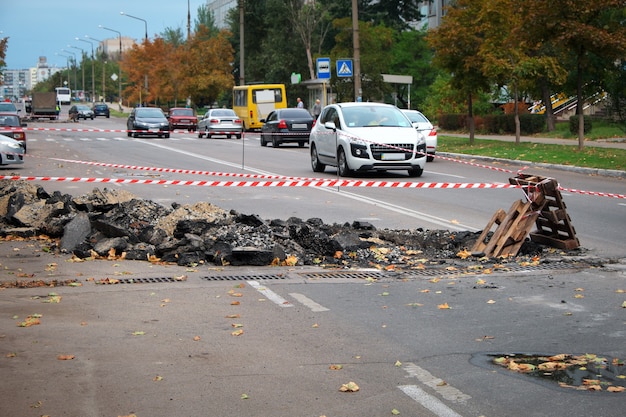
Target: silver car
[[358, 137], [11, 151], [222, 122], [423, 125]]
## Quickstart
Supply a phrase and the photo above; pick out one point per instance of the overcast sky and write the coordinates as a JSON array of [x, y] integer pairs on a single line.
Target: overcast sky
[[43, 27]]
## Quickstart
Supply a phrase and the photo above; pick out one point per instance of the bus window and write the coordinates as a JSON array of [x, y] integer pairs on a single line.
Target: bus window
[[255, 102]]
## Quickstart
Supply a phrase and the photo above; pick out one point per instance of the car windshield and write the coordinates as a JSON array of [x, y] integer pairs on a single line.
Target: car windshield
[[417, 117], [223, 113], [181, 112], [149, 112], [83, 108], [294, 114], [372, 116], [7, 107], [9, 120]]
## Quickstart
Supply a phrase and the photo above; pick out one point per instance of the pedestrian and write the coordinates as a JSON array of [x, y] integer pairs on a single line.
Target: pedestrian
[[317, 108], [300, 104]]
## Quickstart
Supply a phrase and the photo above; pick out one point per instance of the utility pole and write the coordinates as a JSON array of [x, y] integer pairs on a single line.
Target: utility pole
[[242, 79], [358, 91]]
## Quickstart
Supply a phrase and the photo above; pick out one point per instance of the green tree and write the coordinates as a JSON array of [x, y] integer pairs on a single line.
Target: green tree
[[4, 43], [457, 43]]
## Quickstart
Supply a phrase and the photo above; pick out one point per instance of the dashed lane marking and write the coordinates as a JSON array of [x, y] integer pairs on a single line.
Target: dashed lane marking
[[303, 299]]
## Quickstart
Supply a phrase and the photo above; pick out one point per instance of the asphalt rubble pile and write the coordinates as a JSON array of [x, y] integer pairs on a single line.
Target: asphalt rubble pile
[[116, 224]]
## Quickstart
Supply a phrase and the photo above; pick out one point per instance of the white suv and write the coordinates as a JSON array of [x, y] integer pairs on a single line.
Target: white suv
[[366, 137]]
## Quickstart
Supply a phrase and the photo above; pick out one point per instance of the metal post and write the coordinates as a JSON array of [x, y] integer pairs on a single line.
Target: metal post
[[119, 96]]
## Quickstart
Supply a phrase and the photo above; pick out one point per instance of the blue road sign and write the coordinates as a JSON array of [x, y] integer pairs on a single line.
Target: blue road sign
[[323, 68], [344, 68]]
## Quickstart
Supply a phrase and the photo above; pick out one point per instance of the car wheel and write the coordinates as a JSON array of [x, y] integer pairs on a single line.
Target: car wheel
[[416, 172], [91, 117], [275, 142], [128, 133], [430, 158], [135, 134], [238, 136], [167, 136], [301, 144], [342, 164], [263, 142], [208, 135], [315, 161], [200, 134]]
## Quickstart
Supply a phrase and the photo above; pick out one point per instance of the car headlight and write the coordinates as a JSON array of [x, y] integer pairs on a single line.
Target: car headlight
[[421, 140], [14, 145]]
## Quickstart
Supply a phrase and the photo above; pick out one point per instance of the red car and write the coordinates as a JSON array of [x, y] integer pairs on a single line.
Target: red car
[[183, 118], [11, 126]]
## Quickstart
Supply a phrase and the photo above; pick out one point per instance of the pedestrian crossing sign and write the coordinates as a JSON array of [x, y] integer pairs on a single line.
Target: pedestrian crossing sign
[[344, 68]]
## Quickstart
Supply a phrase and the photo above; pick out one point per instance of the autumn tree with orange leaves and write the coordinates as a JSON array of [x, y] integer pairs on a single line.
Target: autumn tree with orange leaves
[[161, 72]]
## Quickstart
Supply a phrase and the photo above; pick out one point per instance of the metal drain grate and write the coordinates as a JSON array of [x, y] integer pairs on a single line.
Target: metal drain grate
[[344, 274], [245, 277], [114, 281], [509, 268]]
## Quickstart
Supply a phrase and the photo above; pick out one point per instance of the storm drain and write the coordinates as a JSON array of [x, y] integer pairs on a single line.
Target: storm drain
[[344, 275], [482, 269], [114, 281], [264, 277]]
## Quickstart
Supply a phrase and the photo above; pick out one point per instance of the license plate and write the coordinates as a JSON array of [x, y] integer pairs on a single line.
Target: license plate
[[392, 157], [298, 126], [153, 130]]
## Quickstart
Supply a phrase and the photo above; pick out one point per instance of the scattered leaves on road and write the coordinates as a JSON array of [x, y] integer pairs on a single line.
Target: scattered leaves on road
[[349, 387]]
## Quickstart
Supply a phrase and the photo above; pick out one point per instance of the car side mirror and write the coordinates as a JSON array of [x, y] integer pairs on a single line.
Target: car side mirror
[[330, 126], [262, 120]]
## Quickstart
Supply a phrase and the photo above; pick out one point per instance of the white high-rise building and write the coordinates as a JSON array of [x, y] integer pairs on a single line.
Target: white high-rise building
[[220, 10]]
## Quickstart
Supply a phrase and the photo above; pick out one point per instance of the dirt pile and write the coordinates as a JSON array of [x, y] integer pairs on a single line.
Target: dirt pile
[[116, 223]]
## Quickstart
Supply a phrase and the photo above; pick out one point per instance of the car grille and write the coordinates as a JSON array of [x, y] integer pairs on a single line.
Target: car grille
[[379, 149]]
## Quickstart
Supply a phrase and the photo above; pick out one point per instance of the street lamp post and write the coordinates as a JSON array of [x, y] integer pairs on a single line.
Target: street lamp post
[[82, 65], [103, 67], [74, 54], [138, 18], [145, 22], [119, 34], [93, 71], [67, 62]]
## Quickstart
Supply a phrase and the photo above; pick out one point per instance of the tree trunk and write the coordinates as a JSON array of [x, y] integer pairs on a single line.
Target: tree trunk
[[549, 113], [310, 62], [470, 118], [517, 122], [579, 106]]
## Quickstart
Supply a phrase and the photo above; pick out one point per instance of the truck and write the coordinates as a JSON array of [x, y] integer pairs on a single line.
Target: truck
[[44, 106]]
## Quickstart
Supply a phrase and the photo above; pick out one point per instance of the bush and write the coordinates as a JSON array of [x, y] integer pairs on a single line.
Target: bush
[[573, 124], [495, 123]]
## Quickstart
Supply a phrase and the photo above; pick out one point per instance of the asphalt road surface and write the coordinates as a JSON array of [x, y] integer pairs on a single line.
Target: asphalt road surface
[[222, 341]]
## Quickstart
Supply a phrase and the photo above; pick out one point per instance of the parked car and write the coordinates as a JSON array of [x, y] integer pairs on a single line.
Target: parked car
[[357, 137], [147, 121], [223, 122], [11, 151], [101, 109], [423, 125], [183, 118], [12, 126], [286, 125], [8, 107], [80, 111]]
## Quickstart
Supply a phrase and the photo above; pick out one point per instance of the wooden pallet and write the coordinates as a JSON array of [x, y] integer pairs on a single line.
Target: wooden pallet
[[543, 207], [510, 233], [554, 226]]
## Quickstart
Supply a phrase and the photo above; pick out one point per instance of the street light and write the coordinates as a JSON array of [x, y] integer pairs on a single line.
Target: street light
[[67, 62], [119, 34], [145, 22], [93, 70], [74, 54], [138, 18], [103, 65], [82, 64]]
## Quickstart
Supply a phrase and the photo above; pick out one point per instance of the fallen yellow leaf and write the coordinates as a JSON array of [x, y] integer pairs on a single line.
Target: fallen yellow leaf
[[349, 387], [443, 306]]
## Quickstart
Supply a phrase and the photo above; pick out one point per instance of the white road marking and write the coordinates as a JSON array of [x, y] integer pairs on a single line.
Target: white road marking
[[303, 299], [269, 294], [448, 392], [428, 401]]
